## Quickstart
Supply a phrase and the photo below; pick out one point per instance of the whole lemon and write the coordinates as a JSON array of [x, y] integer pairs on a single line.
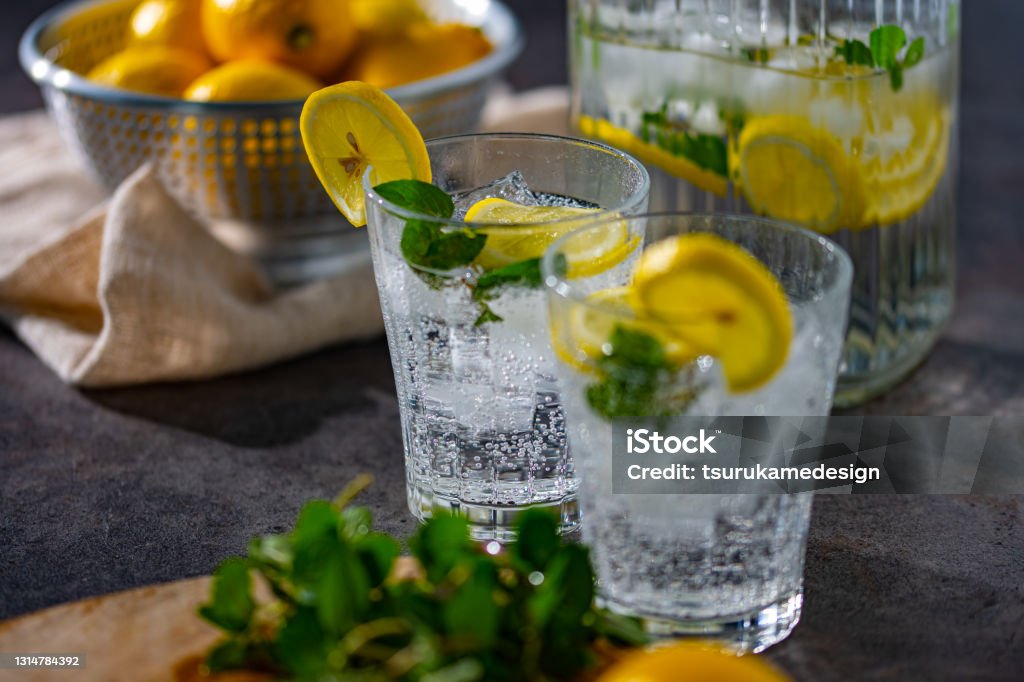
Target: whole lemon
[[251, 80], [314, 36], [171, 23], [386, 17], [154, 70], [422, 51], [693, 662]]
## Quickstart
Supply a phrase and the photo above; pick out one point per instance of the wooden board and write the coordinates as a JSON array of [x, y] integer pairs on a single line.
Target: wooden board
[[143, 634], [151, 634]]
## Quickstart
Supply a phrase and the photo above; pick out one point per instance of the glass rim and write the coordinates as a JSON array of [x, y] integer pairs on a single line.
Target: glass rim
[[635, 198], [562, 286]]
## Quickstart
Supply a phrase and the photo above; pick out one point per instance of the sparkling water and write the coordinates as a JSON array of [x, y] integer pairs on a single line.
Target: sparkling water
[[714, 565], [666, 68], [703, 558], [484, 425]]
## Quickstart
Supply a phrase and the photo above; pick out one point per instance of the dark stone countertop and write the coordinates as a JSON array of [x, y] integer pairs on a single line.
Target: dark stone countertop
[[106, 490]]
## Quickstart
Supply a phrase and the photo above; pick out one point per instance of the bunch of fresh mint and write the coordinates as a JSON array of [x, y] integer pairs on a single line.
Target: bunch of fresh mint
[[338, 612]]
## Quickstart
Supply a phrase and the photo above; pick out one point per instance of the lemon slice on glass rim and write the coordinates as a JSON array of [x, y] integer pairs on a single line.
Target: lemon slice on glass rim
[[349, 127], [715, 296], [593, 252]]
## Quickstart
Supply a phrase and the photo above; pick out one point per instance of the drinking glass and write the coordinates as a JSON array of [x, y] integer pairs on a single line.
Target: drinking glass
[[482, 422], [726, 566], [783, 108]]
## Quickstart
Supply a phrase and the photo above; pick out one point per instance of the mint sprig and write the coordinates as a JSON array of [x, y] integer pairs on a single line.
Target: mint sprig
[[336, 613], [706, 151], [428, 244], [638, 379], [883, 52]]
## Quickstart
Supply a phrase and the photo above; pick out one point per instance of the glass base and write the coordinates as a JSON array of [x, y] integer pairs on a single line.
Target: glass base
[[856, 389], [488, 521], [748, 633]]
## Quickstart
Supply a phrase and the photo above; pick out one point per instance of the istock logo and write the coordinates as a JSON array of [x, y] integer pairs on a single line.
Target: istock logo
[[643, 441]]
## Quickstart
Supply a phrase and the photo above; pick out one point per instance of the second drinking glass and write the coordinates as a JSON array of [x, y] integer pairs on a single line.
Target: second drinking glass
[[482, 422]]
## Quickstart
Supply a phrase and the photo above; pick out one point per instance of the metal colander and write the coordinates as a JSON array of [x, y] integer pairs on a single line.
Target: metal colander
[[222, 159]]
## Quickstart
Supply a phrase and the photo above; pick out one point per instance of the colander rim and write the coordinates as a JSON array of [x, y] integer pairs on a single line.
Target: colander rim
[[46, 73]]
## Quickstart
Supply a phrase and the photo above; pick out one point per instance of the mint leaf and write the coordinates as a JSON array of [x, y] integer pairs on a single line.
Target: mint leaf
[[706, 151], [886, 43], [486, 315], [302, 645], [440, 545], [421, 197], [855, 52], [896, 77], [231, 606], [638, 379], [757, 55], [428, 244], [230, 654], [538, 540], [378, 553], [915, 53], [524, 273], [471, 611]]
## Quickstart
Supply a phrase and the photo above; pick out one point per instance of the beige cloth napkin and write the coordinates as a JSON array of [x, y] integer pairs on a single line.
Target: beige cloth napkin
[[133, 290]]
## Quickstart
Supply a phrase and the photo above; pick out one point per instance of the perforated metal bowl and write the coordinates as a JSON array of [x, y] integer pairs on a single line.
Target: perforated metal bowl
[[227, 160]]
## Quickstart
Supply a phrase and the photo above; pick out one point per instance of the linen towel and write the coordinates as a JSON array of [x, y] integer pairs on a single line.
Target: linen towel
[[132, 289]]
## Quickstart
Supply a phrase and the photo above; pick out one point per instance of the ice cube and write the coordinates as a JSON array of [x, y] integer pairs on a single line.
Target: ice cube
[[512, 187]]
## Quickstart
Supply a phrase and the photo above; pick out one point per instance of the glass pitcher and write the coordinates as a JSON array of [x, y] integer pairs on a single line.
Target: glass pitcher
[[838, 115]]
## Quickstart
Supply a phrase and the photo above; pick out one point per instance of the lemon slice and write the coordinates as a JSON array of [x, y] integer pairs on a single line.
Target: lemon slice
[[583, 336], [681, 167], [352, 126], [790, 170], [712, 295], [591, 253], [904, 157]]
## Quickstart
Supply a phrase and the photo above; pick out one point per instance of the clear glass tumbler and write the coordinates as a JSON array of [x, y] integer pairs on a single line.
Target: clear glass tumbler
[[836, 115], [725, 566], [482, 422]]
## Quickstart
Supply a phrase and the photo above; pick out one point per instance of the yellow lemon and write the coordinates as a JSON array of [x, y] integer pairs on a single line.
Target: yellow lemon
[[591, 324], [315, 36], [153, 70], [251, 80], [690, 662], [349, 127], [423, 51], [715, 296], [592, 252], [679, 166], [904, 155], [386, 17], [791, 170], [171, 23]]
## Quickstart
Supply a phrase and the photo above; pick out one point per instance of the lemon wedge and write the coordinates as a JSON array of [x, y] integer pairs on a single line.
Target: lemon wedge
[[352, 126], [791, 170], [591, 253], [712, 295]]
